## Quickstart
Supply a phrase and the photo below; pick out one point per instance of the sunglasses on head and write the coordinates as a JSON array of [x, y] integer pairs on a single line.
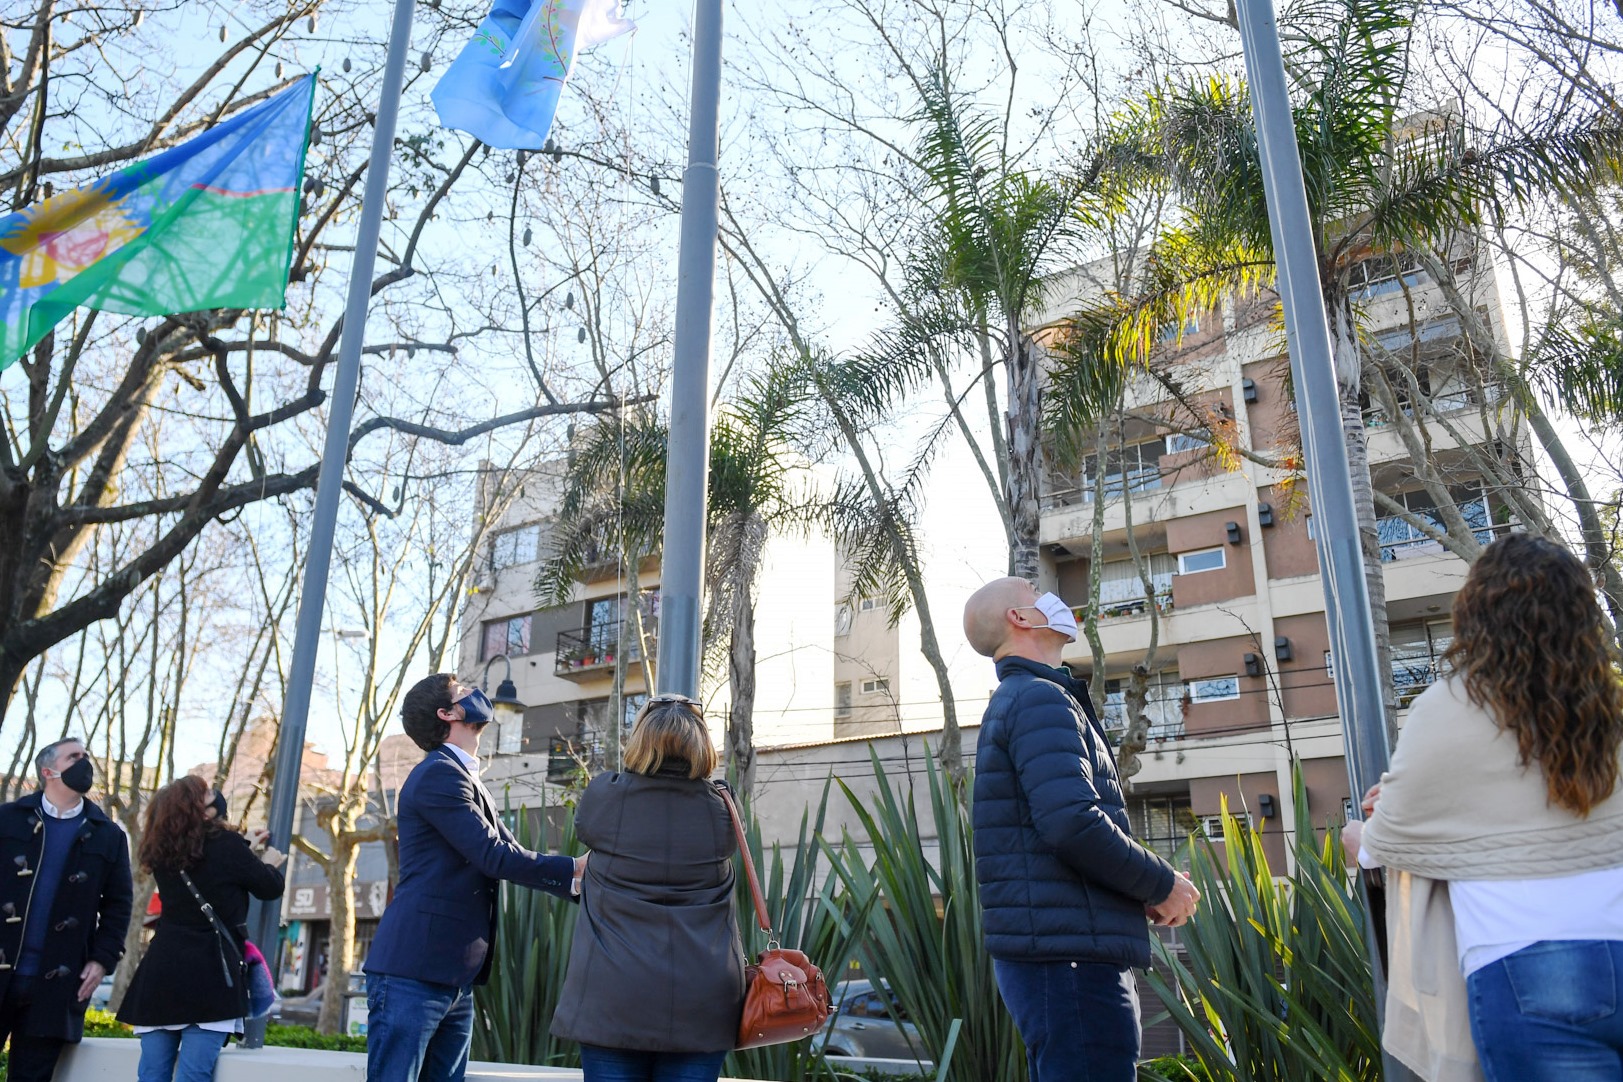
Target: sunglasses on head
[[698, 707]]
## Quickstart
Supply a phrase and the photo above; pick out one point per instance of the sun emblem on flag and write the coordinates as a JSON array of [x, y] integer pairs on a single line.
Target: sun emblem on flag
[[65, 234]]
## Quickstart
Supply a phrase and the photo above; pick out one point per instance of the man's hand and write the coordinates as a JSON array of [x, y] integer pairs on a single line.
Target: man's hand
[[90, 976], [580, 872], [1176, 908]]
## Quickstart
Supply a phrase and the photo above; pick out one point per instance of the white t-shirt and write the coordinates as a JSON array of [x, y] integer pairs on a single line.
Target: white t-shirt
[[1498, 917], [1495, 918]]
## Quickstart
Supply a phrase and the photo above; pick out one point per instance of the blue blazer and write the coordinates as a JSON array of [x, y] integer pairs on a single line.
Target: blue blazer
[[441, 925]]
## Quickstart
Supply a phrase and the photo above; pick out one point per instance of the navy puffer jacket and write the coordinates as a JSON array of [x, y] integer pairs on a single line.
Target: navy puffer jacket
[[1061, 877]]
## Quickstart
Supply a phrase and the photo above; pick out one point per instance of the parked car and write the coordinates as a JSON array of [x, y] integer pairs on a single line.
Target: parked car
[[298, 1010], [867, 1022]]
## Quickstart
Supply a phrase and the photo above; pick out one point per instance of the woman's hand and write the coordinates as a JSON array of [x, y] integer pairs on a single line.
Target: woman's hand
[[1352, 838], [1371, 798], [272, 856], [258, 840]]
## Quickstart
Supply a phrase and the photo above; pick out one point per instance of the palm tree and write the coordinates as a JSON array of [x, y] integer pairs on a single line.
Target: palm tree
[[1372, 193], [994, 235], [614, 501]]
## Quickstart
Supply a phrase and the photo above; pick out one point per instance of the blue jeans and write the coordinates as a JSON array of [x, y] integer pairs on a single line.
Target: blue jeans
[[183, 1055], [626, 1065], [1079, 1020], [1550, 1013], [417, 1031]]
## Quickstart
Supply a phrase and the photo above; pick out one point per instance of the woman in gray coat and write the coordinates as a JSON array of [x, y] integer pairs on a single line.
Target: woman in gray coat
[[656, 976]]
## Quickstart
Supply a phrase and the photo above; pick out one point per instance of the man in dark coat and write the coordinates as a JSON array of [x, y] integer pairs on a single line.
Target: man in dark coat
[[435, 940], [1065, 890], [65, 898]]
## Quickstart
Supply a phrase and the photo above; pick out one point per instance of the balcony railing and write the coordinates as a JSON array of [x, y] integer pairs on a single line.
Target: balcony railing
[[1402, 540], [597, 648]]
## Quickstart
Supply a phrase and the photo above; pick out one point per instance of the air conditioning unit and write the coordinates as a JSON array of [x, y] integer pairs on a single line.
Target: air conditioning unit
[[1212, 825]]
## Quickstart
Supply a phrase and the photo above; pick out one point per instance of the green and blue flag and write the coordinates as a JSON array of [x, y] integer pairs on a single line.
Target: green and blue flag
[[206, 224]]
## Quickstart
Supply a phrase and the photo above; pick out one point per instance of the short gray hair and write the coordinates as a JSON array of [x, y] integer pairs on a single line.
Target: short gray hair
[[46, 759]]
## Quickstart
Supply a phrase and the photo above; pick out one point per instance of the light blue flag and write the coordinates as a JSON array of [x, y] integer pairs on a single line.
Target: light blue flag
[[503, 87]]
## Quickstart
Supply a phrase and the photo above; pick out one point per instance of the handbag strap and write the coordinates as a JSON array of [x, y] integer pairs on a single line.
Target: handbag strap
[[222, 934], [749, 865]]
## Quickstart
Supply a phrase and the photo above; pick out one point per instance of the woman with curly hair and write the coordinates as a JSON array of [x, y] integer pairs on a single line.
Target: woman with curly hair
[[190, 991], [1500, 824]]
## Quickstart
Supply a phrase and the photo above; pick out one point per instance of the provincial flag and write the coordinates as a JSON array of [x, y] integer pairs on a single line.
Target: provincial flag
[[206, 224], [503, 87]]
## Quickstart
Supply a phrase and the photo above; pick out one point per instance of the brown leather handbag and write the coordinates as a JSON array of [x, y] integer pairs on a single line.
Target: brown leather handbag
[[785, 998]]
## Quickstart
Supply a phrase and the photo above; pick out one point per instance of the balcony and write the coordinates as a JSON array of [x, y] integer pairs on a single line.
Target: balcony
[[593, 653]]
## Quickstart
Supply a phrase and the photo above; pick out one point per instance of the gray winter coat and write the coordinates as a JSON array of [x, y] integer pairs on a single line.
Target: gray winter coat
[[657, 964]]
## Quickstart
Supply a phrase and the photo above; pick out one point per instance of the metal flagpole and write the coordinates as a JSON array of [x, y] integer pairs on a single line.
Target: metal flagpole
[[1341, 560], [329, 483], [688, 455]]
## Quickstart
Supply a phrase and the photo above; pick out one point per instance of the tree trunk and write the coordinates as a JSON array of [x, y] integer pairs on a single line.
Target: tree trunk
[[1356, 437], [741, 685], [134, 937], [340, 872], [1025, 455]]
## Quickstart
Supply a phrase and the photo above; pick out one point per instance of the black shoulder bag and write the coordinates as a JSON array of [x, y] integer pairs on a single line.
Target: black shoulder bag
[[222, 936]]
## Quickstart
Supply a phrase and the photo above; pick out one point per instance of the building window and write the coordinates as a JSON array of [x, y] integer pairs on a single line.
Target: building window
[[842, 620], [510, 548], [875, 687], [867, 604], [1190, 563], [1212, 825], [1402, 539], [1417, 655], [1384, 274], [1329, 667], [1163, 706], [1168, 331], [1179, 442], [1312, 531], [1121, 587], [510, 636], [842, 699], [1213, 689], [1134, 468]]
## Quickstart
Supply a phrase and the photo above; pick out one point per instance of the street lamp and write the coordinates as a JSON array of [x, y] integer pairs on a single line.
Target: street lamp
[[505, 704]]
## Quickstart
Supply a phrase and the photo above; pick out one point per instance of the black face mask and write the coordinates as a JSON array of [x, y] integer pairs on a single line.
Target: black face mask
[[80, 776], [218, 804]]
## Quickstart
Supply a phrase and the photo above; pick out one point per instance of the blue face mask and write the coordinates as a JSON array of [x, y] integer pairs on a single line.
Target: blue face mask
[[476, 709]]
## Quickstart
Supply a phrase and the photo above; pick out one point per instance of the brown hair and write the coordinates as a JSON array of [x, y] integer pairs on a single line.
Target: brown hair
[[670, 730], [1532, 647], [176, 825]]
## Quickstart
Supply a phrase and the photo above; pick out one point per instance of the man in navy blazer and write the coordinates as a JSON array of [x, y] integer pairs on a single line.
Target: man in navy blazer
[[437, 936]]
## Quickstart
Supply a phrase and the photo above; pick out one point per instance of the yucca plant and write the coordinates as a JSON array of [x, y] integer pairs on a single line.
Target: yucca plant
[[1276, 986], [924, 932], [818, 919], [534, 931]]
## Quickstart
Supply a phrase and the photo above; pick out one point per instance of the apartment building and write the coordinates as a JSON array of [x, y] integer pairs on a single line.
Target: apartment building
[[584, 667], [1211, 547]]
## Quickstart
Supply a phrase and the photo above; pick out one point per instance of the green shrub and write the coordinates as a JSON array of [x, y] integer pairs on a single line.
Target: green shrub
[[102, 1024], [933, 959], [534, 930], [1277, 986], [305, 1037], [1172, 1069]]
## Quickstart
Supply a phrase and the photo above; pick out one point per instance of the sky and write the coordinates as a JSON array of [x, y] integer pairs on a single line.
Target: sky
[[644, 78]]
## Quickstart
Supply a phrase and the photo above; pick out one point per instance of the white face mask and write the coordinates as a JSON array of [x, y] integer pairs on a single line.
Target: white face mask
[[1060, 617]]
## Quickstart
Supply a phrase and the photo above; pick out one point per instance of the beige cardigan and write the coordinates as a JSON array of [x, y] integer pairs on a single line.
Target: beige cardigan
[[1457, 804]]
